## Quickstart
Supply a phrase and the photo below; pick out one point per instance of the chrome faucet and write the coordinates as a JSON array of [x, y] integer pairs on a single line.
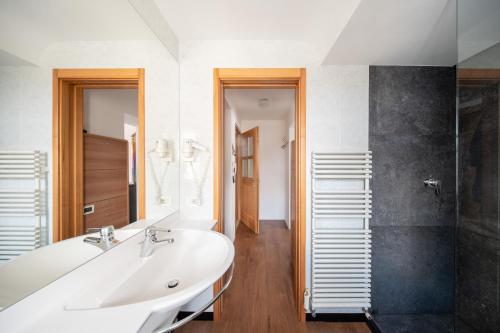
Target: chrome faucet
[[151, 238], [433, 183], [106, 238]]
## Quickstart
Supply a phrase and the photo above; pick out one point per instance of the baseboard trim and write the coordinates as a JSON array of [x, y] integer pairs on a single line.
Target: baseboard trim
[[337, 317], [345, 317], [271, 221], [373, 326], [205, 316], [325, 317]]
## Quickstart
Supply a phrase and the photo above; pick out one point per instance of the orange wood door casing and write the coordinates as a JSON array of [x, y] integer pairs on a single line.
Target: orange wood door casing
[[250, 179]]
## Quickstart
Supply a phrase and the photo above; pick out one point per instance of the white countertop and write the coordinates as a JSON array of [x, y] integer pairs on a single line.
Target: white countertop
[[15, 283], [47, 315]]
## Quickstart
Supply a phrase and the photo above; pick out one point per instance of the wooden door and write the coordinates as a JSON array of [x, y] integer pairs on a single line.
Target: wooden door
[[105, 182], [293, 216], [249, 186]]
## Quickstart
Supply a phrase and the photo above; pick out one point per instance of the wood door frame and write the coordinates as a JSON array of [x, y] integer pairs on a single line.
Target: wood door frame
[[67, 145], [264, 78]]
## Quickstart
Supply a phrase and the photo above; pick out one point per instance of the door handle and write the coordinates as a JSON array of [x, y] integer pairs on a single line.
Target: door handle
[[88, 209]]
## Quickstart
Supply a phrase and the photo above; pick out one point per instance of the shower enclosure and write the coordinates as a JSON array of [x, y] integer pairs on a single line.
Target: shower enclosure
[[436, 249], [477, 228], [477, 245]]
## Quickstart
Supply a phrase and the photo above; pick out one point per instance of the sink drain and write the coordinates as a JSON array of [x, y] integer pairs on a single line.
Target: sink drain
[[173, 283]]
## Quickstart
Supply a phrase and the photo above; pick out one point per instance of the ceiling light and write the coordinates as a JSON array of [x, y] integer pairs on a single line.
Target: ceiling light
[[263, 102]]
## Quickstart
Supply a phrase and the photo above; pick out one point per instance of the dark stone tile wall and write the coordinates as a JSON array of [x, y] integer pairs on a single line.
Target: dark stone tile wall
[[478, 243], [412, 270], [415, 323], [412, 136]]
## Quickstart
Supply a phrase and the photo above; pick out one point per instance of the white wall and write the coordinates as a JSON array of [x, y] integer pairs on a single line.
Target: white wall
[[26, 100], [287, 183], [337, 100], [230, 121], [105, 110], [272, 167], [290, 123], [130, 129]]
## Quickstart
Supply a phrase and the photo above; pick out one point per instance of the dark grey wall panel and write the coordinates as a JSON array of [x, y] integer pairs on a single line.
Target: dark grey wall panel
[[412, 100], [412, 136], [412, 269], [401, 163], [416, 323]]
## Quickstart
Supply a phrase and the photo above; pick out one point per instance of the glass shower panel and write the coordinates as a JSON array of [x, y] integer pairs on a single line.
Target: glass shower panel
[[477, 242]]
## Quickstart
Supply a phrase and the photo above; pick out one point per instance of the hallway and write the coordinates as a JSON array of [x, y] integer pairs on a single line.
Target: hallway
[[260, 297]]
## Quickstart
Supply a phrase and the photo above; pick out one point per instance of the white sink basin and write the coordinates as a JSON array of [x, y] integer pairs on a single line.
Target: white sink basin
[[195, 260], [50, 263]]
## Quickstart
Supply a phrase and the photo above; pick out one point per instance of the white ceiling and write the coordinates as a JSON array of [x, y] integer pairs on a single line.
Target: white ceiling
[[245, 102], [29, 26], [358, 32], [396, 32], [8, 59], [479, 26], [311, 20]]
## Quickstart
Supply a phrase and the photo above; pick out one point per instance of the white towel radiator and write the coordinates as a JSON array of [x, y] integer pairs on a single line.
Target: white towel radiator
[[23, 211], [341, 236]]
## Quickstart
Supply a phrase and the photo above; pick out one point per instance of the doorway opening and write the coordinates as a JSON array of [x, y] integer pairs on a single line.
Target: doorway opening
[[239, 175], [110, 127], [98, 149], [259, 155]]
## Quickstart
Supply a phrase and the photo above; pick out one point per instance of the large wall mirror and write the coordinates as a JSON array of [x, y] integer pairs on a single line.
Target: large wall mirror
[[89, 137]]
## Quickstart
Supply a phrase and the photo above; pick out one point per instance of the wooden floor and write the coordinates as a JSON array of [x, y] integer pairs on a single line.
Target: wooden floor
[[259, 299]]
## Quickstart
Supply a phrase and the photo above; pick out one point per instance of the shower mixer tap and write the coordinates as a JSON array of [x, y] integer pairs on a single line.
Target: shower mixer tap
[[433, 183]]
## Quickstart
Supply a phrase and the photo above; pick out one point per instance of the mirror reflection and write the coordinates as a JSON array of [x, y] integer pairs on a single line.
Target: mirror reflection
[[110, 150], [86, 122]]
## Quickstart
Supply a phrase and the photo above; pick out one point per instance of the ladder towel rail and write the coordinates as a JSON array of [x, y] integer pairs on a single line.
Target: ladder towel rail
[[22, 203], [341, 237]]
